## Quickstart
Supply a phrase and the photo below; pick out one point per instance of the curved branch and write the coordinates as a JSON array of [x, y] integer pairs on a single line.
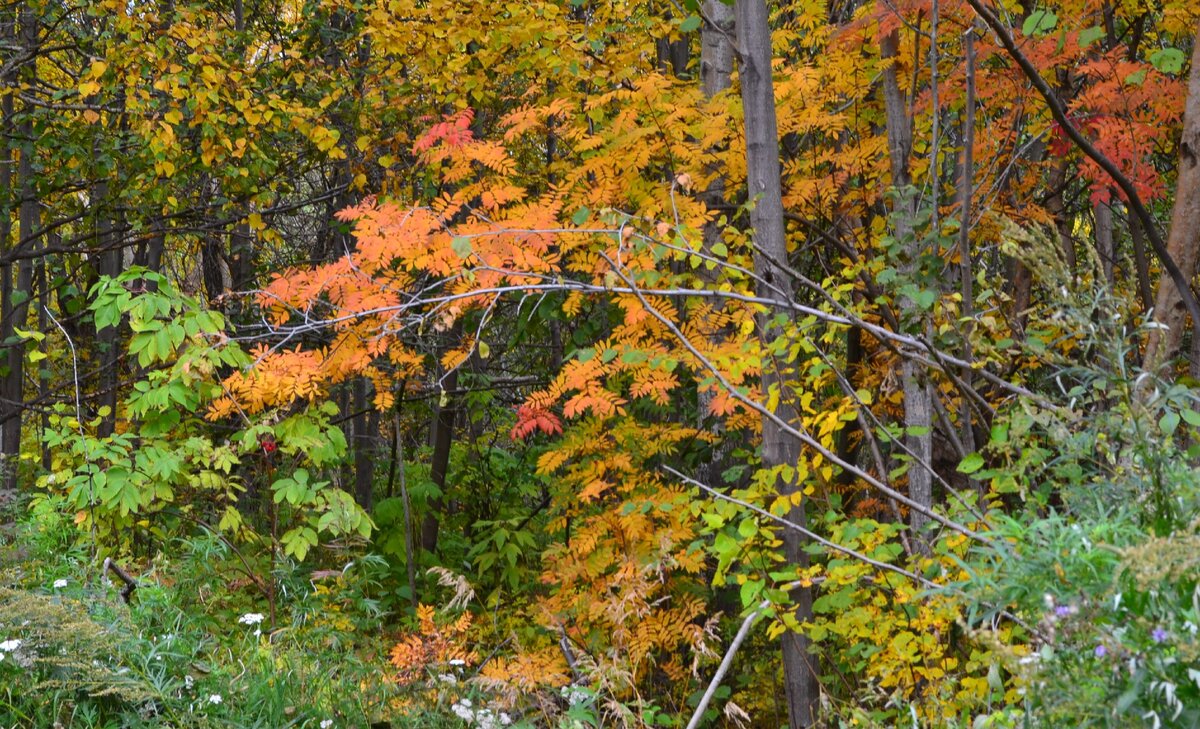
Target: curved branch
[[1122, 181]]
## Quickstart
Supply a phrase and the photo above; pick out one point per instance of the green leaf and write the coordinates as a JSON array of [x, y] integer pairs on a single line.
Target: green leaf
[[35, 336], [1168, 60], [462, 246], [1088, 36], [925, 298], [1039, 22], [972, 463], [581, 216], [1136, 78], [1169, 422], [750, 592], [748, 528], [690, 23]]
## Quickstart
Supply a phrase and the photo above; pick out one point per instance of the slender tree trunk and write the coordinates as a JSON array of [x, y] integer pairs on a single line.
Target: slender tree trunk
[[716, 48], [410, 555], [17, 309], [366, 431], [672, 55], [111, 263], [241, 258], [1162, 344], [918, 398], [8, 36], [1105, 247], [966, 191], [716, 75], [766, 217], [1056, 206], [1140, 261], [442, 438]]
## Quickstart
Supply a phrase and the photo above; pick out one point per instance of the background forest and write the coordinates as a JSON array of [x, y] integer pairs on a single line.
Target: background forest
[[581, 363]]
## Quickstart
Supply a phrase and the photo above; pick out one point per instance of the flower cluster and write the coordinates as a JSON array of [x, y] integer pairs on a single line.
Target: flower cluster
[[575, 695], [482, 717], [252, 619], [9, 646]]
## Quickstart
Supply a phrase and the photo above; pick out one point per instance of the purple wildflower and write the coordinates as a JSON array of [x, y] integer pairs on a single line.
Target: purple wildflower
[[1101, 651], [1063, 611], [1159, 635]]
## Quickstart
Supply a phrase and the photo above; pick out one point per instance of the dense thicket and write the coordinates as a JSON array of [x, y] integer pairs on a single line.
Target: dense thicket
[[582, 363]]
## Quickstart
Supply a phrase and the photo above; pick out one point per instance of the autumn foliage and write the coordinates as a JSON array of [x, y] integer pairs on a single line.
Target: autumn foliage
[[482, 299]]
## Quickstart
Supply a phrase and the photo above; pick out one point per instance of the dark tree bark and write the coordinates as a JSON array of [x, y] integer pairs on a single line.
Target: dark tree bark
[[366, 444], [18, 296], [441, 438], [1141, 263], [716, 75], [1105, 246]]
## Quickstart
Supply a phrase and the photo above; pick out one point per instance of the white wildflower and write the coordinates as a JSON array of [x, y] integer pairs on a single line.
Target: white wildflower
[[326, 723], [462, 709], [188, 681], [59, 584], [575, 695], [215, 699], [447, 678], [11, 646], [505, 719], [458, 662], [251, 619]]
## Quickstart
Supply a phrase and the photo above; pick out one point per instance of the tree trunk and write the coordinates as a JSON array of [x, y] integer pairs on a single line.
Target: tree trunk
[[766, 217], [1162, 344], [1105, 246], [918, 398], [365, 427], [111, 263], [716, 75], [966, 279], [1141, 261], [442, 438], [8, 35], [16, 309]]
